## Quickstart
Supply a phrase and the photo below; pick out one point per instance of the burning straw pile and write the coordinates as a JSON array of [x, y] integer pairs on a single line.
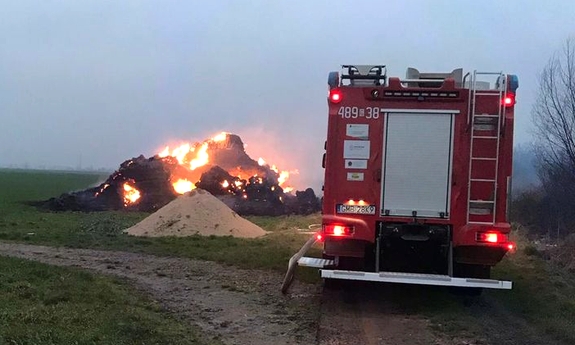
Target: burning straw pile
[[219, 165]]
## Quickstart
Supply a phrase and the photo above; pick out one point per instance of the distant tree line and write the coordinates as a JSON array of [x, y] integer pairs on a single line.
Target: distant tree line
[[549, 209]]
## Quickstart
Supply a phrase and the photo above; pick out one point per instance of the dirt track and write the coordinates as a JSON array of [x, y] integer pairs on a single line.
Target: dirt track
[[368, 319], [245, 306]]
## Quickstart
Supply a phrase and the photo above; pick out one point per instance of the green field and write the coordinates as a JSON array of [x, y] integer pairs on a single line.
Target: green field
[[103, 230], [42, 304], [543, 294]]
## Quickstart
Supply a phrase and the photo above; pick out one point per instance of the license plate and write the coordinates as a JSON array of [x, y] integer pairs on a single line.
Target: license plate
[[355, 209]]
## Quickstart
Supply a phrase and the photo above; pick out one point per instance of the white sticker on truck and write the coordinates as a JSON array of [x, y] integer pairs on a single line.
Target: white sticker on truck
[[356, 149], [356, 164], [360, 131], [355, 176]]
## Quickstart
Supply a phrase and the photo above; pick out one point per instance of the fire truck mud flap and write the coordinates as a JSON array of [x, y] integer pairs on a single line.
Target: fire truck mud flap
[[417, 278]]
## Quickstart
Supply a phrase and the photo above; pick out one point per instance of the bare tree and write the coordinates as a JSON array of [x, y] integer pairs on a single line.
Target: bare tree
[[554, 118], [554, 112]]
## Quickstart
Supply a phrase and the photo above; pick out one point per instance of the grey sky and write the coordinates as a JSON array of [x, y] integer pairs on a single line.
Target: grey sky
[[103, 81]]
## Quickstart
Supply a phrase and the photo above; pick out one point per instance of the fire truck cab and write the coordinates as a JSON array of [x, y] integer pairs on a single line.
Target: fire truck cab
[[417, 177]]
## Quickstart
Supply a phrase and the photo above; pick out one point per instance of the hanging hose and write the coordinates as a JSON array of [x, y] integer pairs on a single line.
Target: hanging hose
[[292, 264]]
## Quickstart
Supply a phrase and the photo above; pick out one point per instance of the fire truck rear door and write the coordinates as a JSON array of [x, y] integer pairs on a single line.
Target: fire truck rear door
[[417, 160]]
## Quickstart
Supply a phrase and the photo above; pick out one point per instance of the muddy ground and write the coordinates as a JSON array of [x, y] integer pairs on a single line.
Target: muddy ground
[[246, 307]]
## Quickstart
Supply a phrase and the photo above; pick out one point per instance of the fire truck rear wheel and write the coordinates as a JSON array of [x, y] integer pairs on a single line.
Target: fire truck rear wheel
[[472, 271], [344, 263], [331, 284]]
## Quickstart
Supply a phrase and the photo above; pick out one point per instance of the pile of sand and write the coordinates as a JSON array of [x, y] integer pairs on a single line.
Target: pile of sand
[[195, 213]]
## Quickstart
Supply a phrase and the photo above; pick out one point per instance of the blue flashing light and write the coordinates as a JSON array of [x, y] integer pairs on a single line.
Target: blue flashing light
[[513, 83]]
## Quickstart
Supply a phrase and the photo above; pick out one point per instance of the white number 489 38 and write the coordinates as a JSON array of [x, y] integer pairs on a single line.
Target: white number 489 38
[[356, 112]]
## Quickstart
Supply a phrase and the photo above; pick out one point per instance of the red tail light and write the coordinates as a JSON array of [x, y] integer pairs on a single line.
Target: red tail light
[[508, 100], [337, 230], [335, 95], [492, 237], [495, 238]]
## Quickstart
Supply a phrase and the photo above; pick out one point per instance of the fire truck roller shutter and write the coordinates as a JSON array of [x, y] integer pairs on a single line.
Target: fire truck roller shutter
[[417, 163]]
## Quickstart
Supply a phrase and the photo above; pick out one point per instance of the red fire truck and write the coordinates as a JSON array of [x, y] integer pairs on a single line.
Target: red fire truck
[[417, 177]]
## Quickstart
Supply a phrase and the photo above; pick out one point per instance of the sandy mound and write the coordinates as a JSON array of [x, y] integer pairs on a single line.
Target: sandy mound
[[195, 213]]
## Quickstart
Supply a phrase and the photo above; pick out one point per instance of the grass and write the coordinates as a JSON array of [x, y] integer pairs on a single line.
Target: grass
[[287, 223], [543, 294], [103, 230], [541, 304], [42, 304]]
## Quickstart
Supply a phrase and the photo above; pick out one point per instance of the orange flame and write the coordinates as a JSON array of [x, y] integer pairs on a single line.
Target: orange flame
[[131, 194], [220, 137], [180, 153], [165, 152], [102, 189], [202, 158], [283, 175], [182, 186], [194, 156]]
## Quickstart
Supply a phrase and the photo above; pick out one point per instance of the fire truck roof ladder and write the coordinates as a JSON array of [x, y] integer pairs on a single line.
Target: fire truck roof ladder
[[365, 75], [484, 149], [420, 79]]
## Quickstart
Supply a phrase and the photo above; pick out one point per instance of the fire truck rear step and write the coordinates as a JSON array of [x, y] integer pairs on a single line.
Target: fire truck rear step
[[486, 115], [417, 278], [485, 122], [484, 137], [481, 223], [487, 93], [314, 262]]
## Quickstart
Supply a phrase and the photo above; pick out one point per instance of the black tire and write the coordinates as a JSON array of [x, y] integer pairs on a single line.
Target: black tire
[[466, 291], [351, 263], [470, 271], [332, 284], [344, 263]]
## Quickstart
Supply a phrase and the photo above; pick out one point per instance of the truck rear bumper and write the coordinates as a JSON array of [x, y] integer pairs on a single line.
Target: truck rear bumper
[[417, 278], [402, 277]]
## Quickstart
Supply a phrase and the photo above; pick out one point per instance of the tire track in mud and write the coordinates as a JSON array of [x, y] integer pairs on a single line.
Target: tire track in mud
[[236, 306], [362, 313], [392, 314], [242, 307], [245, 306]]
